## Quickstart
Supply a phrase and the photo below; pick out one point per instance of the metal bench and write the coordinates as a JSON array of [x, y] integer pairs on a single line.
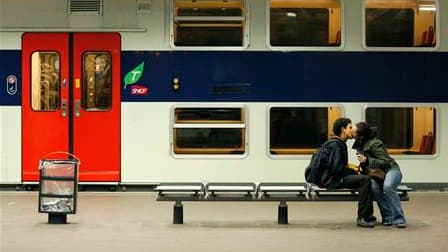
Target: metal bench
[[322, 194], [255, 192]]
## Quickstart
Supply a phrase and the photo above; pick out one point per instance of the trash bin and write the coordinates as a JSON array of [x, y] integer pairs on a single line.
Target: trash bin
[[58, 186]]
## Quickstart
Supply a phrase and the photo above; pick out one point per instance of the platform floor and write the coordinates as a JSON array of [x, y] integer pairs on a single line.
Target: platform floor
[[119, 221]]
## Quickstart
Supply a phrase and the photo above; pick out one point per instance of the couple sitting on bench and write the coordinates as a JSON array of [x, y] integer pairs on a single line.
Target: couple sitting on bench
[[328, 169]]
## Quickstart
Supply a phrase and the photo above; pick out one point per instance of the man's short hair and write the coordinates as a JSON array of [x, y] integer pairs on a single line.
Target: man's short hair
[[339, 124]]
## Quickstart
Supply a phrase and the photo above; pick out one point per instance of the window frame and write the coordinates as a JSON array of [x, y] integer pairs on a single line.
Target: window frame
[[307, 152], [396, 48], [303, 48], [213, 124], [245, 36], [393, 152]]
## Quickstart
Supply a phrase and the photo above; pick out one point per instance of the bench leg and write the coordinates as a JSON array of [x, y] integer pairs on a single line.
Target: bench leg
[[283, 213], [178, 213]]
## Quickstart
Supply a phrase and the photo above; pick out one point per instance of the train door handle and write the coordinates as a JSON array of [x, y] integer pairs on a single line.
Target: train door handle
[[64, 107], [77, 108]]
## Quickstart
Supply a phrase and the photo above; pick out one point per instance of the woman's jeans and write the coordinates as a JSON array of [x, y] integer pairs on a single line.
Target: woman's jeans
[[387, 197]]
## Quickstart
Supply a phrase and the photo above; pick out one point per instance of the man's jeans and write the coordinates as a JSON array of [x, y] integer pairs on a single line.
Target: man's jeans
[[362, 183], [387, 197]]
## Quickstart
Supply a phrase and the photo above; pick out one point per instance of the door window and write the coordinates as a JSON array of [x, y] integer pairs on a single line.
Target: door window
[[45, 75], [97, 81]]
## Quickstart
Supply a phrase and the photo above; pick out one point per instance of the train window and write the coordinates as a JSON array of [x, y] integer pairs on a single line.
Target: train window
[[305, 23], [96, 81], [300, 130], [209, 23], [405, 130], [407, 23], [209, 130], [45, 76]]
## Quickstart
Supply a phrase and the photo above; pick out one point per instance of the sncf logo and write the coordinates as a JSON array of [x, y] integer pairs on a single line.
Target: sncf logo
[[139, 90], [131, 79]]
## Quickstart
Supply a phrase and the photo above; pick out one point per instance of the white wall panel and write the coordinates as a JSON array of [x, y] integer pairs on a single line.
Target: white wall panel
[[10, 145]]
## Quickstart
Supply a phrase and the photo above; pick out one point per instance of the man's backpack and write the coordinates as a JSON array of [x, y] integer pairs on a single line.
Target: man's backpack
[[317, 171]]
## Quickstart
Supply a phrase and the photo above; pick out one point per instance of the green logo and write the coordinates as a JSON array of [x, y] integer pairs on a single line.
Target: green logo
[[134, 75]]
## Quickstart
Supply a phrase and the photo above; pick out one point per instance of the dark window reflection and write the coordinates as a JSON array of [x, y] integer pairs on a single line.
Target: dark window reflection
[[394, 125], [389, 27], [209, 33], [299, 27], [209, 138], [208, 12], [209, 23], [212, 114], [298, 127]]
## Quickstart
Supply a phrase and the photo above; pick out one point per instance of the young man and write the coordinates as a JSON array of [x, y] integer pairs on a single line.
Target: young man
[[342, 129]]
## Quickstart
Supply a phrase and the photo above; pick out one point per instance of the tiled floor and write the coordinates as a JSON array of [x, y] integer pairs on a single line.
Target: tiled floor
[[118, 221]]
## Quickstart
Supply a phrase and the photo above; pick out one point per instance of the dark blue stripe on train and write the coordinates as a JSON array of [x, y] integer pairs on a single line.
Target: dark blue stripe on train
[[272, 76], [289, 76], [10, 64]]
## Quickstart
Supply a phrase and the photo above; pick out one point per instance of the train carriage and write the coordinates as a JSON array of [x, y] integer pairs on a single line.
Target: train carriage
[[209, 90]]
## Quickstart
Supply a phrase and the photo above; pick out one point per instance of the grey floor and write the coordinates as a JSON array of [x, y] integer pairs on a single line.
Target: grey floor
[[119, 221]]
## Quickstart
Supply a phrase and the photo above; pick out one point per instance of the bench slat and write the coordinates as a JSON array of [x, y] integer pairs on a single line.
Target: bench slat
[[282, 189], [177, 188], [230, 188]]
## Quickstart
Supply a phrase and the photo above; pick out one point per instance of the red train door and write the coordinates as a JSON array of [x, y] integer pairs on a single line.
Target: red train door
[[71, 101], [96, 100], [45, 114]]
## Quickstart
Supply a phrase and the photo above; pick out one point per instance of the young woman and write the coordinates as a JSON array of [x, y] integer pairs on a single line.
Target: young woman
[[372, 154]]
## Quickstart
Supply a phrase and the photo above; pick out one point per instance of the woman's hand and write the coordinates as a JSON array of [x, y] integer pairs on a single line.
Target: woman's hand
[[361, 158]]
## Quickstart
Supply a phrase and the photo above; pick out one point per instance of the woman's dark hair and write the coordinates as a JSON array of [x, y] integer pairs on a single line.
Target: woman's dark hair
[[365, 132]]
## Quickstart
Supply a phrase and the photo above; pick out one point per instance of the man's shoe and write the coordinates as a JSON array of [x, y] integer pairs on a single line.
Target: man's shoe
[[401, 225], [362, 222], [387, 223], [371, 219]]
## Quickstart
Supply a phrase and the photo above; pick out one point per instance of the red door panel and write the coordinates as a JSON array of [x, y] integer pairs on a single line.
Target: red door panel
[[44, 124], [81, 114], [96, 101]]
